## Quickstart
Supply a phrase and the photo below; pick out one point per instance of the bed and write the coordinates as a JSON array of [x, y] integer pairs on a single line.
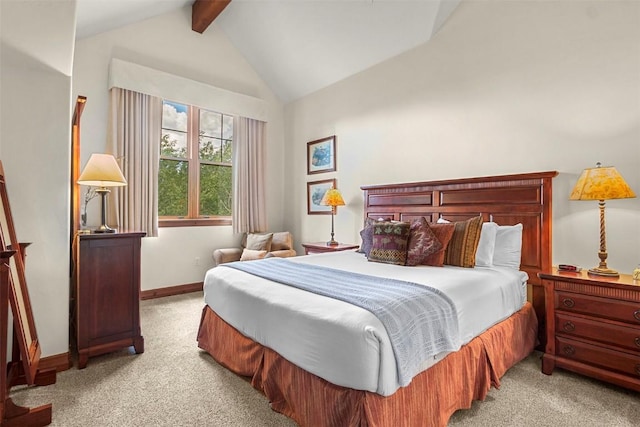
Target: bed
[[360, 390]]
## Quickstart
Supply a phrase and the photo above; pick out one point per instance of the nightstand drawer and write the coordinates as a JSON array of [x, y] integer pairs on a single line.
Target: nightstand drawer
[[624, 311], [605, 357], [598, 330]]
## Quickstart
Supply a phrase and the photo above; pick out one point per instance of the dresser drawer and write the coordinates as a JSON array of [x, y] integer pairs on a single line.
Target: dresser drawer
[[624, 311], [598, 330], [626, 363]]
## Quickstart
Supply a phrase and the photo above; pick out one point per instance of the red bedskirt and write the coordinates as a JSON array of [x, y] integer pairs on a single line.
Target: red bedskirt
[[429, 400]]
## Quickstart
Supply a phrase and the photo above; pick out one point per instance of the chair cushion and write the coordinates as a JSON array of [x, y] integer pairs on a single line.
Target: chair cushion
[[259, 242], [250, 255], [282, 241]]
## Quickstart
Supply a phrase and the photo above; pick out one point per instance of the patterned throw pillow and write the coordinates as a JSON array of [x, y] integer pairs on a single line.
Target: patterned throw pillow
[[462, 248], [422, 242], [367, 236], [390, 242], [443, 232]]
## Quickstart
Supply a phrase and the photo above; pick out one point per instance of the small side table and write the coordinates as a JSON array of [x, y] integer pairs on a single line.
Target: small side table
[[593, 326], [320, 247]]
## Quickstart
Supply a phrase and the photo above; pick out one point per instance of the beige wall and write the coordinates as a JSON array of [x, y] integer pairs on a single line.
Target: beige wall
[[504, 87], [167, 43], [35, 89]]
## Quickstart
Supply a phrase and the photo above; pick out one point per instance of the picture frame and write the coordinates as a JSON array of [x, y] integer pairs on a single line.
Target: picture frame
[[315, 192], [321, 155]]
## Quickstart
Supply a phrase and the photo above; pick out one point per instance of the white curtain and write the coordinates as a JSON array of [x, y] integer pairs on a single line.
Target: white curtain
[[134, 133], [249, 205]]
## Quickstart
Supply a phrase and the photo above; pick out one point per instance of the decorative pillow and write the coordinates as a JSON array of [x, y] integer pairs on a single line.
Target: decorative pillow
[[390, 242], [443, 233], [259, 242], [367, 240], [367, 236], [281, 241], [250, 255], [462, 248], [508, 249], [422, 242], [487, 244]]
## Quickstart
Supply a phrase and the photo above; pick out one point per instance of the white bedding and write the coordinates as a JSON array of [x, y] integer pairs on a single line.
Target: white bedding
[[344, 344]]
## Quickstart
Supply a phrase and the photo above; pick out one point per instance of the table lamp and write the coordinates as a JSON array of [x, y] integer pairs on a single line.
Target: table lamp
[[601, 183], [102, 171], [333, 198]]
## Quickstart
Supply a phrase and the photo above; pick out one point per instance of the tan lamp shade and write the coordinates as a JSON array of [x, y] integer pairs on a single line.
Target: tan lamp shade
[[332, 197], [601, 183], [102, 170]]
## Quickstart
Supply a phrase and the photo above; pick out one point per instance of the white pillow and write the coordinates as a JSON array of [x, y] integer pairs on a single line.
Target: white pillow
[[442, 221], [508, 248], [487, 244]]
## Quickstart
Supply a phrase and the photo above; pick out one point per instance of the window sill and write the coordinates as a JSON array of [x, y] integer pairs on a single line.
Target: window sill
[[200, 222]]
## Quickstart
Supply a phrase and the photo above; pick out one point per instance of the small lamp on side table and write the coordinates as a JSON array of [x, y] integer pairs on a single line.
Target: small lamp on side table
[[601, 183], [332, 198], [102, 171]]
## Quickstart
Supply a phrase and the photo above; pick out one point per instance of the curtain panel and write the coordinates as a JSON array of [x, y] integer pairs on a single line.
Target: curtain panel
[[133, 136], [249, 204]]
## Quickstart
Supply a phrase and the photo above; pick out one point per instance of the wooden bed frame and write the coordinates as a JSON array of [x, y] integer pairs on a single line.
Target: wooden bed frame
[[458, 379], [506, 200]]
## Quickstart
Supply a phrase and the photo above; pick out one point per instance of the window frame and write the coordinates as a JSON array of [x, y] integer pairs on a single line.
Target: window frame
[[193, 178]]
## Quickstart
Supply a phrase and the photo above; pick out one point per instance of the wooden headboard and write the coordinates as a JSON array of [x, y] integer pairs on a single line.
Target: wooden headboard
[[506, 200]]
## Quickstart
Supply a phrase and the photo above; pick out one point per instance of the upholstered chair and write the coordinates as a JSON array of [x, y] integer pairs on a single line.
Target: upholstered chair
[[257, 246]]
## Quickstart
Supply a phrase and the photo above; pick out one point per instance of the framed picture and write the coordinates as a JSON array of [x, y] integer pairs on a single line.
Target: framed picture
[[321, 155], [315, 192]]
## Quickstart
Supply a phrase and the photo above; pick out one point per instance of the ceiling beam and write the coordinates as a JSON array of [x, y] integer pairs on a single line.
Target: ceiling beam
[[203, 12]]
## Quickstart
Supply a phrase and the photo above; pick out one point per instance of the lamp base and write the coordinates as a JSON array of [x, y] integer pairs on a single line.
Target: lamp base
[[104, 229], [603, 272], [332, 243]]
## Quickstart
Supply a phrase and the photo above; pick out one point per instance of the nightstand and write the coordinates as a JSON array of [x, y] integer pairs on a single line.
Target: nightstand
[[593, 326], [319, 247]]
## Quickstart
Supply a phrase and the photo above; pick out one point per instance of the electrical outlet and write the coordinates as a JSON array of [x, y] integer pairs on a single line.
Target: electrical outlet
[[197, 260]]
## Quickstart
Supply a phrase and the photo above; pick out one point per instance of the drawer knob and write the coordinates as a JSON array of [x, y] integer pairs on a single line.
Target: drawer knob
[[568, 350], [637, 341], [569, 327], [636, 314], [568, 302]]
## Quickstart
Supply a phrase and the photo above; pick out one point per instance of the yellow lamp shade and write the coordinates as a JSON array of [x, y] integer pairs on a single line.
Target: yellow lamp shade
[[332, 197], [601, 183]]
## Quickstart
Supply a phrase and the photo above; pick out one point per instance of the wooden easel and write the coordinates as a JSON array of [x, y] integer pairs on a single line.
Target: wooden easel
[[23, 368]]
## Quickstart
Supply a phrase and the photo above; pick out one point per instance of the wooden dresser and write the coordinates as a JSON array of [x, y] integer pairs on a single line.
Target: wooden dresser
[[105, 294], [593, 326]]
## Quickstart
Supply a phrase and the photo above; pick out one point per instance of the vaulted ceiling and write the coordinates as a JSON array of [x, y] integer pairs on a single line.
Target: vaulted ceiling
[[296, 46]]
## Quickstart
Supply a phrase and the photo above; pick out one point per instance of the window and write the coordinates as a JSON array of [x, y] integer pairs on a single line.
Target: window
[[194, 179]]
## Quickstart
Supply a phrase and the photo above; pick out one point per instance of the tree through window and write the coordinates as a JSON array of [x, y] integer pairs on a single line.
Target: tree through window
[[194, 179]]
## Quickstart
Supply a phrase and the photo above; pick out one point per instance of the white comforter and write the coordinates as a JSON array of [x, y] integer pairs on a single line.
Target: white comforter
[[344, 344]]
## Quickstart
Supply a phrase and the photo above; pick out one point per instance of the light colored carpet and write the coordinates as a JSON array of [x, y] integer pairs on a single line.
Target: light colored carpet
[[176, 384]]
